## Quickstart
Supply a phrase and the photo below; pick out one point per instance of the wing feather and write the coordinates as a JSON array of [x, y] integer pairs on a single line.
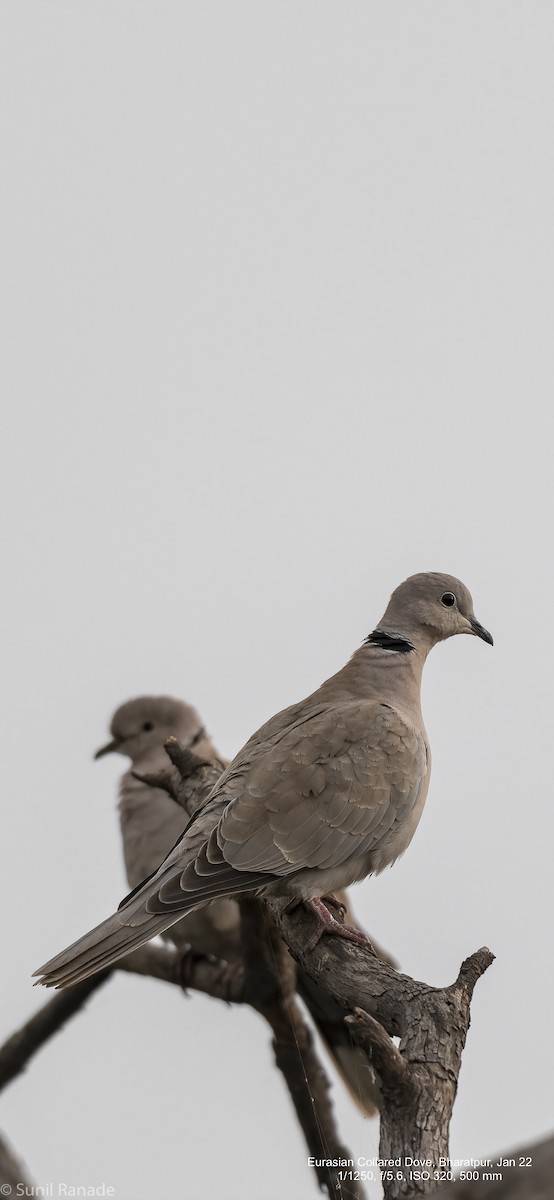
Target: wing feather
[[299, 815]]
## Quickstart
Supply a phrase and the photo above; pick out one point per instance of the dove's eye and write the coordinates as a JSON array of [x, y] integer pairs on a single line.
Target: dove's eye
[[448, 599], [147, 726]]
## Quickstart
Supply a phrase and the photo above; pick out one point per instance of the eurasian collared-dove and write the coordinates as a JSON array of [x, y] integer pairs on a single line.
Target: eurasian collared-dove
[[327, 792], [151, 822]]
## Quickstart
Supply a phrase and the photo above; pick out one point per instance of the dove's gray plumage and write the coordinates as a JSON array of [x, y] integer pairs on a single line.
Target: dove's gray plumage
[[325, 793], [151, 822]]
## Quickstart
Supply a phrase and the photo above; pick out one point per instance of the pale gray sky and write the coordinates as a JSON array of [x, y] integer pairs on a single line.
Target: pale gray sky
[[277, 292]]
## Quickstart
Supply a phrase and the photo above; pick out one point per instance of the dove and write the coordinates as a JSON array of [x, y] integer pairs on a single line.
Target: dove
[[324, 794], [151, 822]]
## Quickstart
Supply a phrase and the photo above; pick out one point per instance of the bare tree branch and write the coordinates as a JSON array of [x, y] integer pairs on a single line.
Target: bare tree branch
[[270, 987], [204, 974], [24, 1043], [267, 983], [400, 1070], [418, 1096], [157, 961], [387, 1060], [419, 1080]]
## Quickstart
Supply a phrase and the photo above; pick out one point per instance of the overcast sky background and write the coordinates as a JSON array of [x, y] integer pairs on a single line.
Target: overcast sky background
[[277, 332]]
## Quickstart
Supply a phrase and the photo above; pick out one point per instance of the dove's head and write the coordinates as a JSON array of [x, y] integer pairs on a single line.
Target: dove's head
[[141, 725], [430, 607]]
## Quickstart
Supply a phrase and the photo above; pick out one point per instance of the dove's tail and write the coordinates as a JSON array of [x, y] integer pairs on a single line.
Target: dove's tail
[[156, 904], [102, 947]]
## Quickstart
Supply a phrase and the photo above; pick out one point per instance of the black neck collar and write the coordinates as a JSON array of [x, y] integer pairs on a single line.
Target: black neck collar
[[389, 641]]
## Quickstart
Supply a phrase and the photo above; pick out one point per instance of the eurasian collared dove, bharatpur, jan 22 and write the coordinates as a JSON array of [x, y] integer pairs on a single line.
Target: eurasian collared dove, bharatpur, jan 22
[[327, 792], [151, 822]]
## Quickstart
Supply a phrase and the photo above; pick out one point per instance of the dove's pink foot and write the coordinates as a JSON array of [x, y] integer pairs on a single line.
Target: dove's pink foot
[[329, 924], [329, 901], [185, 966], [225, 975], [332, 902]]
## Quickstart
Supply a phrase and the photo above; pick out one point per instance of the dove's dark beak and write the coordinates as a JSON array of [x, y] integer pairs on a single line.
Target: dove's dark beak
[[480, 631], [110, 748]]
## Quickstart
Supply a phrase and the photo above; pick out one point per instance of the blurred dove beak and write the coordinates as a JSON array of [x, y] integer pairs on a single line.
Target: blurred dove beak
[[480, 631], [110, 748]]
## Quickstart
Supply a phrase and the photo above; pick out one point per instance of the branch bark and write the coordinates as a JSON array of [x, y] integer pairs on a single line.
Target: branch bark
[[270, 987], [419, 1079], [267, 983]]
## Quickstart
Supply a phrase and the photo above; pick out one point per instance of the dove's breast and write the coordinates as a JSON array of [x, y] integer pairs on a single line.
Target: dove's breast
[[150, 824]]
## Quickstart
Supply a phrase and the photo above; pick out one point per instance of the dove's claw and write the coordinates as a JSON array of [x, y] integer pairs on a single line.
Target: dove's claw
[[186, 964], [329, 924], [332, 902], [225, 975]]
